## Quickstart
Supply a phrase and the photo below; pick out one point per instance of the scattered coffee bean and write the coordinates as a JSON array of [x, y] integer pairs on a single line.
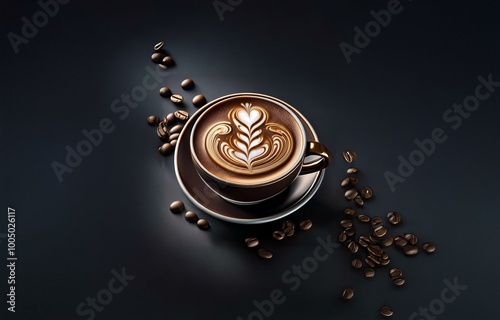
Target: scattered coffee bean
[[375, 259], [157, 57], [357, 263], [349, 181], [349, 156], [400, 241], [251, 242], [167, 61], [165, 92], [398, 281], [393, 217], [175, 129], [173, 143], [346, 223], [159, 46], [387, 242], [347, 293], [353, 246], [363, 218], [376, 221], [191, 216], [385, 256], [359, 201], [366, 192], [170, 117], [199, 100], [176, 98], [370, 272], [386, 311], [173, 137], [351, 194], [370, 263], [429, 247], [412, 238], [349, 211], [278, 235], [161, 133], [203, 224], [177, 206], [165, 149], [289, 231], [395, 272], [352, 170], [187, 84], [373, 239], [375, 250], [350, 231], [264, 253], [182, 115], [342, 237], [305, 224], [153, 120], [287, 223], [162, 66], [379, 231], [410, 250], [368, 240], [384, 262]]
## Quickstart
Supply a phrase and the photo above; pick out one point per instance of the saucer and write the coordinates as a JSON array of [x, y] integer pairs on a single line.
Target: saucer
[[285, 203]]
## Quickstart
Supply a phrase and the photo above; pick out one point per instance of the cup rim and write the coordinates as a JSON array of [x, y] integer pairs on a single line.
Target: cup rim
[[272, 99]]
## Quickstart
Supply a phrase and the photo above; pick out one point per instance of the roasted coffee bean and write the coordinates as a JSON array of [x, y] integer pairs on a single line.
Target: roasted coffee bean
[[159, 46], [305, 224], [350, 231], [369, 272], [177, 206], [429, 247], [353, 246], [176, 98], [203, 224], [161, 133], [199, 100], [289, 231], [386, 311], [375, 259], [375, 250], [376, 221], [153, 120], [373, 239], [395, 272], [349, 211], [399, 281], [387, 242], [357, 263], [182, 115], [369, 239], [264, 253], [157, 57], [366, 192], [167, 61], [362, 242], [349, 181], [278, 235], [379, 231], [173, 143], [363, 218], [187, 84], [400, 241], [370, 262], [348, 294], [173, 137], [351, 194], [412, 238], [349, 156], [359, 200], [385, 256], [191, 216], [165, 92], [165, 149], [251, 242], [393, 217], [162, 66], [287, 223], [384, 262], [410, 250], [175, 129], [170, 117], [352, 170], [342, 237], [346, 223]]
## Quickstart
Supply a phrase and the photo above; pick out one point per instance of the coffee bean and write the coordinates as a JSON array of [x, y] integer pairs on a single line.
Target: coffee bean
[[384, 262], [153, 120], [363, 218], [375, 259], [349, 181], [370, 262], [182, 115], [368, 240], [175, 129], [347, 293], [165, 92], [264, 253], [395, 272], [349, 156], [187, 84], [191, 216], [352, 170], [349, 211], [162, 66], [351, 194], [173, 143], [353, 246], [376, 221], [357, 263], [176, 98], [399, 281], [173, 137], [429, 247], [412, 238], [278, 235], [305, 224], [393, 217], [375, 250], [159, 46], [167, 61], [379, 231], [342, 237], [386, 311], [362, 242], [359, 201], [369, 272], [350, 231], [157, 57], [251, 242], [373, 239], [289, 231], [165, 149], [203, 224], [346, 223], [287, 223], [170, 117], [387, 242], [400, 241], [366, 192], [161, 133], [385, 256], [199, 100], [410, 250], [176, 206]]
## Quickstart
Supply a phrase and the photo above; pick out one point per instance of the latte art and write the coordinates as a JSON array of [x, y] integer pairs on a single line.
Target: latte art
[[248, 143]]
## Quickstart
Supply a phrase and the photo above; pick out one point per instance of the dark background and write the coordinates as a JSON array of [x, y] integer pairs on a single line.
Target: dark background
[[111, 212]]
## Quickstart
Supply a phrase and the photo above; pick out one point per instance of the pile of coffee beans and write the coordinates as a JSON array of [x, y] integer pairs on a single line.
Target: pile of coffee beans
[[369, 248], [178, 207]]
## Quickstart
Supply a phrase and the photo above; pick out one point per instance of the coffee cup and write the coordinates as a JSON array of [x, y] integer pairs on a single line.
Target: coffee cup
[[250, 147]]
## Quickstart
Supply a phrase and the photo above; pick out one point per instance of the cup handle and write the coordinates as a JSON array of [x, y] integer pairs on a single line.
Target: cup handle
[[318, 149]]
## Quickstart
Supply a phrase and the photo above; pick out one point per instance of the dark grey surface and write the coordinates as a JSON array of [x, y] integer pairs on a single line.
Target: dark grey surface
[[111, 212]]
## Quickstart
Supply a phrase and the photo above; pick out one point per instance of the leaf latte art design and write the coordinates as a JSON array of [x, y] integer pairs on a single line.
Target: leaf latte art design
[[248, 143]]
